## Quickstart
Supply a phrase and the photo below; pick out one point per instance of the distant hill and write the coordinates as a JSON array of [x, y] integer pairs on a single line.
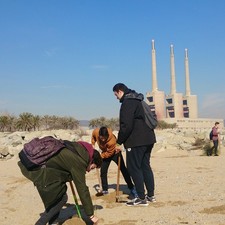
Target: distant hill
[[84, 123]]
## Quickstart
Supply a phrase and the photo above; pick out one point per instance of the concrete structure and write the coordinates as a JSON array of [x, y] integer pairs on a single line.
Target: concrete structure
[[156, 99], [174, 101], [176, 107], [196, 124], [190, 105]]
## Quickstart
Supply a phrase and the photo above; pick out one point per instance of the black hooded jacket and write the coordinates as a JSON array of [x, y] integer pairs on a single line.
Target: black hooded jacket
[[133, 130]]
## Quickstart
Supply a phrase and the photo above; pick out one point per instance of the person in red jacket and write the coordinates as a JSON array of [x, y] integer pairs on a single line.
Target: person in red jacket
[[106, 141], [215, 139]]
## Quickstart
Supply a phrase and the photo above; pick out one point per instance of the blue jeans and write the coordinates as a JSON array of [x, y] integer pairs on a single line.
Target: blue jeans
[[215, 147]]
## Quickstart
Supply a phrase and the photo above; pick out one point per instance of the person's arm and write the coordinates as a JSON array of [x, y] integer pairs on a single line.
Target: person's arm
[[93, 138], [79, 180], [85, 197], [127, 112], [77, 166], [110, 151], [110, 146]]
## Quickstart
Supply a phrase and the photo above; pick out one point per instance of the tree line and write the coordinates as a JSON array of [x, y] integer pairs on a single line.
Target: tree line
[[114, 123], [28, 122]]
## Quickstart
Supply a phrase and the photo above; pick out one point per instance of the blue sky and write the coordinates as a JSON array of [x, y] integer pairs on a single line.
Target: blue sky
[[62, 57]]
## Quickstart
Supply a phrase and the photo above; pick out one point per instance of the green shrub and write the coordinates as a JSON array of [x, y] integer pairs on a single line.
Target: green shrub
[[199, 142], [207, 146]]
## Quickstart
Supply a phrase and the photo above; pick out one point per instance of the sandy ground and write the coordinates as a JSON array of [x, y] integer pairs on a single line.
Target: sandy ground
[[190, 189]]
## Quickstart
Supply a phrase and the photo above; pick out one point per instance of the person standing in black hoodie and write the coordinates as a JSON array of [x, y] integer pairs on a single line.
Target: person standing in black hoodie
[[138, 140]]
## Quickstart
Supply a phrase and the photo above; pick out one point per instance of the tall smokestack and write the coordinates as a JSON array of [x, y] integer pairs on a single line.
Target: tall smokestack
[[187, 77], [154, 78], [172, 71]]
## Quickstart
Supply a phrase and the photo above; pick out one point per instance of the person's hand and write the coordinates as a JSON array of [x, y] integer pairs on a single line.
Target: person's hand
[[94, 219], [117, 149]]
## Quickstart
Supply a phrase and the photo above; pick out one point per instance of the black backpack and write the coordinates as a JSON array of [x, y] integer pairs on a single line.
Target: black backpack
[[150, 117], [211, 135]]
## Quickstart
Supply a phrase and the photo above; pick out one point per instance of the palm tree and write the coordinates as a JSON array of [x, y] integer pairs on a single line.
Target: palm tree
[[113, 123], [93, 123], [25, 121], [70, 123], [7, 123], [11, 123], [46, 121], [3, 122], [36, 122], [102, 121]]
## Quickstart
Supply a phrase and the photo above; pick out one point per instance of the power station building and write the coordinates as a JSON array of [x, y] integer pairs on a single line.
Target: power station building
[[175, 107]]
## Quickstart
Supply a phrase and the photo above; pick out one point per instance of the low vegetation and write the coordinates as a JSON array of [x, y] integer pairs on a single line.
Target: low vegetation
[[163, 125], [204, 144], [113, 123], [28, 122]]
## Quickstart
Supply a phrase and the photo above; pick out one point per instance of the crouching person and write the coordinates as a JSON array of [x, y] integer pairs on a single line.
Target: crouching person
[[70, 163]]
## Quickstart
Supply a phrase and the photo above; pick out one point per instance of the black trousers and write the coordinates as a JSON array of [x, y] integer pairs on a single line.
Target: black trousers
[[138, 165], [104, 171], [52, 212]]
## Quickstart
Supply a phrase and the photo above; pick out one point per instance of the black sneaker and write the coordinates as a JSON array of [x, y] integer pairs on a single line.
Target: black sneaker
[[150, 199], [137, 202]]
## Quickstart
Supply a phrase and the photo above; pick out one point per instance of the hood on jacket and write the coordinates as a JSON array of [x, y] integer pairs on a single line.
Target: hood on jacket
[[131, 94]]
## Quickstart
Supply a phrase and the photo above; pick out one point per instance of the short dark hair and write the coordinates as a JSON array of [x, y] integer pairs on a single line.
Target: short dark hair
[[120, 87], [103, 131], [216, 123], [97, 159]]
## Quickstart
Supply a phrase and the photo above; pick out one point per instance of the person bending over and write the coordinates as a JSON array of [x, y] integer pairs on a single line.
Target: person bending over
[[106, 141], [70, 163]]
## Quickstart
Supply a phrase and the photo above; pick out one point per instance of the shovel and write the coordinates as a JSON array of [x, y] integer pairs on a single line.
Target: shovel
[[75, 220], [118, 178], [99, 191]]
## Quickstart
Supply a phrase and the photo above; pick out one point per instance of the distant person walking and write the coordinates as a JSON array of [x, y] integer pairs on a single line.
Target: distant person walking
[[138, 139], [106, 141], [215, 139]]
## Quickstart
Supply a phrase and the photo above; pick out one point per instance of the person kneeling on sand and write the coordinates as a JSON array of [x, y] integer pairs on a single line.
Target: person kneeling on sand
[[70, 163], [106, 141]]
